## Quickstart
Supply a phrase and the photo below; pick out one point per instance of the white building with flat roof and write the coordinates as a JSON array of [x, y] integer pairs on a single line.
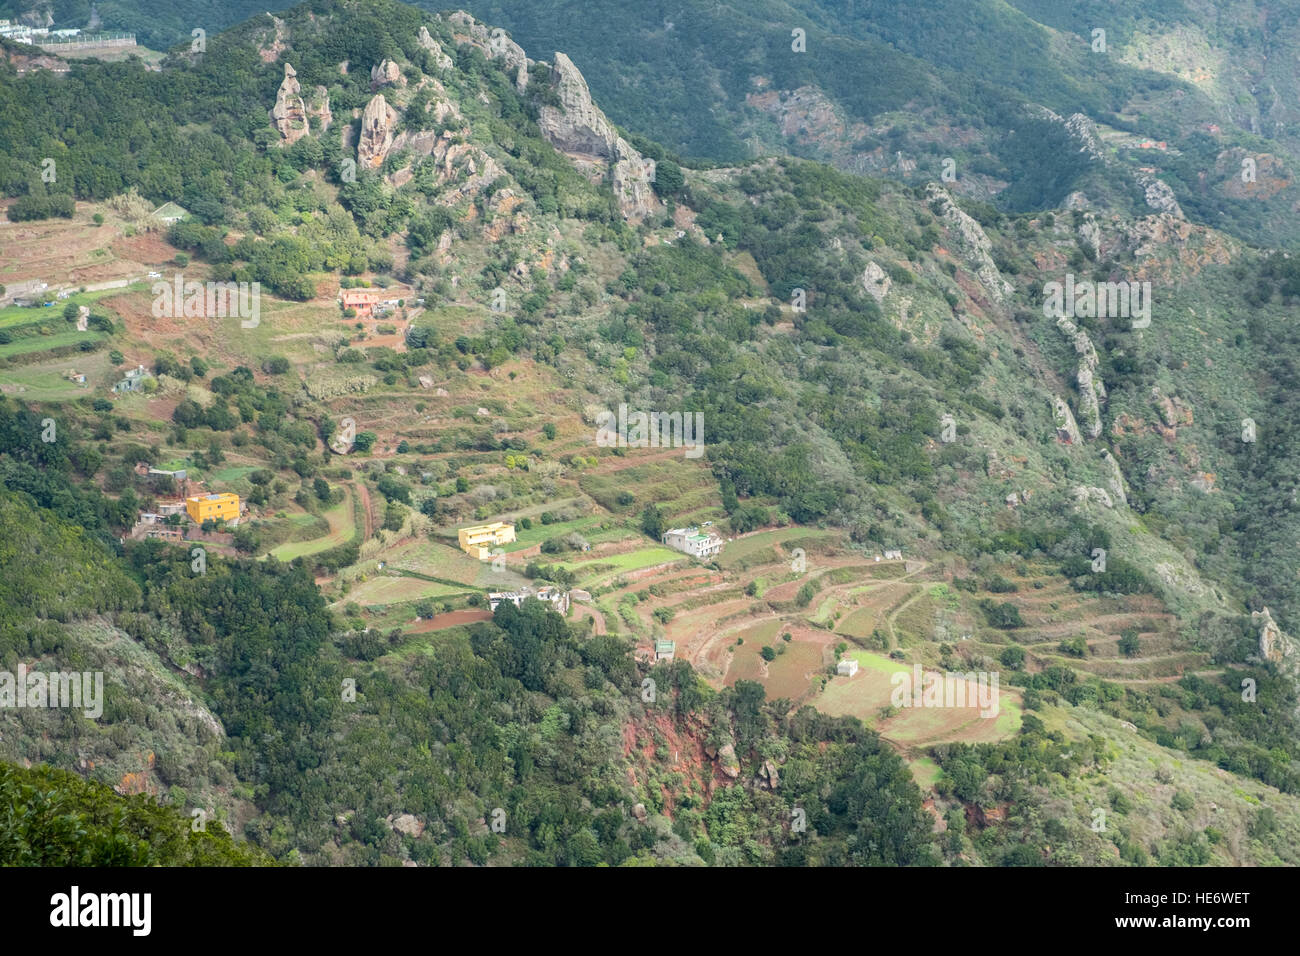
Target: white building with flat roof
[[691, 541], [554, 596]]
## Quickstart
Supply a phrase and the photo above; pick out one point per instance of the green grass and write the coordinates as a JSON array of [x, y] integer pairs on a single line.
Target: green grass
[[742, 548], [342, 523], [599, 569], [225, 474], [42, 343], [925, 772]]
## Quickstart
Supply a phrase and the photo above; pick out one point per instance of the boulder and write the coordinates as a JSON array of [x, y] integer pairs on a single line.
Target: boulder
[[1269, 634], [727, 761], [386, 73], [408, 824]]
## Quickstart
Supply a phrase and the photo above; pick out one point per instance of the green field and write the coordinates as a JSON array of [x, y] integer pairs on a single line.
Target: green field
[[42, 343], [600, 569], [342, 523], [397, 589]]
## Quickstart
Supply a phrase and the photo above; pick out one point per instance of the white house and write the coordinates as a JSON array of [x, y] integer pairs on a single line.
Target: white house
[[691, 541], [554, 596], [847, 667]]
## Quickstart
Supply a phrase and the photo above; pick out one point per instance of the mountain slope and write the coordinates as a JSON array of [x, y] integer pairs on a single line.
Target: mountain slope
[[876, 372]]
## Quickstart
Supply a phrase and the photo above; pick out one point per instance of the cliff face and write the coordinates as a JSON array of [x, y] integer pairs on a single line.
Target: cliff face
[[579, 128]]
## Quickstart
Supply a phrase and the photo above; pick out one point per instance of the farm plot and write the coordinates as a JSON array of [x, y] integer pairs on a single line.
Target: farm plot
[[342, 528], [868, 696]]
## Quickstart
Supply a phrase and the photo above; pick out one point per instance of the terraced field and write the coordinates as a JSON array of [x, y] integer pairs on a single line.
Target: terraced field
[[342, 528]]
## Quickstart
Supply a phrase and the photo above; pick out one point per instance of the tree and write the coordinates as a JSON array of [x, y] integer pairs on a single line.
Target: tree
[[652, 522], [1129, 645], [669, 180], [768, 653], [322, 489], [364, 441], [246, 540]]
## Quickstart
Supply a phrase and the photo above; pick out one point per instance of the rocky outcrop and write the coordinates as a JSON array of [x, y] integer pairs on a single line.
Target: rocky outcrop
[[727, 761], [1090, 233], [1085, 494], [1067, 429], [1092, 391], [1159, 196], [290, 111], [971, 241], [386, 73], [377, 122], [1279, 648], [292, 115], [579, 128], [426, 41], [632, 175], [406, 823], [1085, 131], [577, 125], [876, 281], [1114, 477], [494, 44], [1270, 635]]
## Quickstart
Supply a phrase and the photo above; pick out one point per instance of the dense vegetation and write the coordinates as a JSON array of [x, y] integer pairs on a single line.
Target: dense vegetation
[[54, 818]]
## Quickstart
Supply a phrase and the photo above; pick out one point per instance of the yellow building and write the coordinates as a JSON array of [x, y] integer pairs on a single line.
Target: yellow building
[[478, 540], [222, 507]]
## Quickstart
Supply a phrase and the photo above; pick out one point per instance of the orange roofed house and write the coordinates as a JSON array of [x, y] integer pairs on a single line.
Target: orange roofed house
[[363, 300]]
